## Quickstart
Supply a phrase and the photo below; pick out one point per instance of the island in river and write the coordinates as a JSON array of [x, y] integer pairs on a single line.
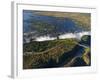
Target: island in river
[[56, 39]]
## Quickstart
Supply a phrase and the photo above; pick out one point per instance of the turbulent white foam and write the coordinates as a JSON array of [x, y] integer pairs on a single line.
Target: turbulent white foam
[[63, 36], [67, 35], [45, 38]]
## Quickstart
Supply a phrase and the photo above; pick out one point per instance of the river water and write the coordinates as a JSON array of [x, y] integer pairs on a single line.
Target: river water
[[67, 27]]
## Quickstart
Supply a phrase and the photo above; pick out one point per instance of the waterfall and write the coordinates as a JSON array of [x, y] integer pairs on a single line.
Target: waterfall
[[63, 36]]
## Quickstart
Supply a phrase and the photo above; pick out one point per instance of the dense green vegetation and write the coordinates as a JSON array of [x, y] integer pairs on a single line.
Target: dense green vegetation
[[55, 53], [46, 52], [58, 52], [35, 46], [86, 39]]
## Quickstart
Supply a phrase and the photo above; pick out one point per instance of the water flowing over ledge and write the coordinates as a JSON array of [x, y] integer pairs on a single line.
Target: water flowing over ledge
[[63, 36]]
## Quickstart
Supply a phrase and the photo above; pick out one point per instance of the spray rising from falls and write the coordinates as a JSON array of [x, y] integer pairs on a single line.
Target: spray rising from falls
[[63, 36]]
